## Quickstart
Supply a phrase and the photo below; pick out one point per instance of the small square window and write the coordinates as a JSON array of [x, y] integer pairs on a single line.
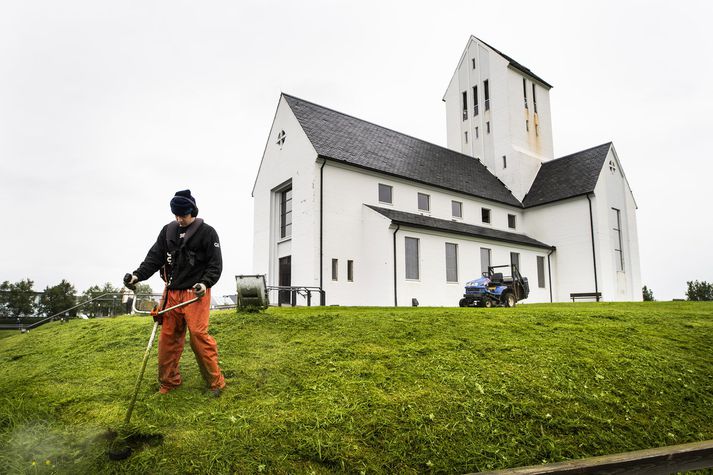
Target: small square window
[[424, 202], [457, 209], [511, 221], [385, 193], [485, 215]]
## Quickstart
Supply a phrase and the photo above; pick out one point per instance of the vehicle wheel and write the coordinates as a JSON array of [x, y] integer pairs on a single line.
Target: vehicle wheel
[[488, 303], [462, 303], [509, 299]]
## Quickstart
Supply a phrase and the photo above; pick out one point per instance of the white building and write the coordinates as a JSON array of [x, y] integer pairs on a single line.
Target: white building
[[376, 217]]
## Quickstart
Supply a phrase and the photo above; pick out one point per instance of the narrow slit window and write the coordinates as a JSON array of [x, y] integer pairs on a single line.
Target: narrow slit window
[[541, 272], [486, 91], [335, 269], [475, 100], [505, 161], [487, 126], [465, 105], [451, 262], [411, 260], [534, 98], [524, 91], [473, 60], [466, 136], [350, 271]]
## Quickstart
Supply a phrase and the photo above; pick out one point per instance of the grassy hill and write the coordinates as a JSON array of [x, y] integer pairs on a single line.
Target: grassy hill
[[366, 390]]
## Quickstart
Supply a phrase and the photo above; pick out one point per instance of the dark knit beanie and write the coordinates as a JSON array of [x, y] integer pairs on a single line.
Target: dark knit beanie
[[183, 203]]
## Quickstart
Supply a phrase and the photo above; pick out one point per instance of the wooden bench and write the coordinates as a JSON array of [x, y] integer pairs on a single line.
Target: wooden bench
[[585, 295]]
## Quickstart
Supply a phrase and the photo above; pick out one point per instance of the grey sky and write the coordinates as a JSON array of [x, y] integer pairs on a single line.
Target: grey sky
[[108, 108]]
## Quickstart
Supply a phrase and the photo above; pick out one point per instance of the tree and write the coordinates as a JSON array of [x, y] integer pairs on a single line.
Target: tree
[[104, 305], [58, 299], [648, 294], [18, 299], [699, 290]]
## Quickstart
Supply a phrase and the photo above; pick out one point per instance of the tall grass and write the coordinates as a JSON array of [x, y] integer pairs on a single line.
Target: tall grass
[[368, 390]]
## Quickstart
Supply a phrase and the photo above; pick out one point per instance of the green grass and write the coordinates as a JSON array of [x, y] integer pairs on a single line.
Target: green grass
[[367, 390]]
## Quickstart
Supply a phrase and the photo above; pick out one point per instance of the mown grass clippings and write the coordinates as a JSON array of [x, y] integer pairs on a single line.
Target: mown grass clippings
[[369, 390]]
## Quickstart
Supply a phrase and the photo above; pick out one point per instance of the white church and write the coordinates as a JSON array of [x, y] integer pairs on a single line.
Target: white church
[[372, 216]]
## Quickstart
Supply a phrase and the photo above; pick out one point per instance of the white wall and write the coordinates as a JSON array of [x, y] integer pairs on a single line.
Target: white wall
[[355, 232], [612, 191], [565, 225], [295, 161]]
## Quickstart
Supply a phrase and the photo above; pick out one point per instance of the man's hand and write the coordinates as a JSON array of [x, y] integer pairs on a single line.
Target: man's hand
[[130, 281], [199, 289]]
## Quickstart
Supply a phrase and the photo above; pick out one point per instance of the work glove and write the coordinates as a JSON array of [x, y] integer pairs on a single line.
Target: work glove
[[199, 289], [130, 281], [157, 318]]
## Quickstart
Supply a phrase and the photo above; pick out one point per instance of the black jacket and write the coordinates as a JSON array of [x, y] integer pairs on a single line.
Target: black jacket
[[197, 260]]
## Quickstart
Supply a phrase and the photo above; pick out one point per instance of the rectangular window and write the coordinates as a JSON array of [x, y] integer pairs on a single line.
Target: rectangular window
[[484, 260], [486, 91], [465, 105], [487, 127], [411, 260], [473, 60], [476, 133], [350, 271], [515, 259], [475, 100], [335, 269], [505, 161], [511, 221], [424, 202], [451, 262], [541, 272], [616, 237], [457, 209], [466, 136], [527, 125], [385, 193], [534, 98], [286, 213], [485, 215], [524, 91]]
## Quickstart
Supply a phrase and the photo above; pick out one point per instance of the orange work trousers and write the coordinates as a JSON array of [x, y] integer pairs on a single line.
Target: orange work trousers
[[173, 334]]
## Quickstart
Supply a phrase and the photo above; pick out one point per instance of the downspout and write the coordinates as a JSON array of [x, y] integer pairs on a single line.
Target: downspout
[[321, 228], [594, 255], [549, 270], [396, 299]]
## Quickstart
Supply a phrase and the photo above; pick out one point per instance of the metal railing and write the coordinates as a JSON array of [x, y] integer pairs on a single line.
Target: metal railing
[[293, 296]]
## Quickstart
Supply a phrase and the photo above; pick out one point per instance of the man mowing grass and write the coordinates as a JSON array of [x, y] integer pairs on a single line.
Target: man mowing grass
[[187, 252]]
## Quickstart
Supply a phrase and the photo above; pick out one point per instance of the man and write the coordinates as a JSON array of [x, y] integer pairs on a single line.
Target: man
[[187, 252]]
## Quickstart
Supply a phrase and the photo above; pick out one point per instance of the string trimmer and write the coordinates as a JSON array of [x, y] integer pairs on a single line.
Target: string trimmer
[[120, 450]]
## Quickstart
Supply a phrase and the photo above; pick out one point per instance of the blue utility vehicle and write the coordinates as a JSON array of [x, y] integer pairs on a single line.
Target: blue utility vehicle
[[494, 289]]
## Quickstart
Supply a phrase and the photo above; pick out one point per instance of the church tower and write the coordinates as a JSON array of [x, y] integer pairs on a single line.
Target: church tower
[[498, 111]]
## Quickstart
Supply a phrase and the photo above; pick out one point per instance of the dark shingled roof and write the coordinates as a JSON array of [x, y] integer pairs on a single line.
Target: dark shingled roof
[[456, 227], [346, 139], [567, 177]]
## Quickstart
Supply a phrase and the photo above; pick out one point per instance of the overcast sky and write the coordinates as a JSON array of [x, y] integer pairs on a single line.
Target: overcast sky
[[108, 108]]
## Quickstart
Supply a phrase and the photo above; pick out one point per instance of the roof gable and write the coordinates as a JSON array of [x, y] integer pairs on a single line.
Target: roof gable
[[346, 139], [567, 177]]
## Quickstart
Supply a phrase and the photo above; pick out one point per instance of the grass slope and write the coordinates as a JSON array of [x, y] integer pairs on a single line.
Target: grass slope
[[366, 390]]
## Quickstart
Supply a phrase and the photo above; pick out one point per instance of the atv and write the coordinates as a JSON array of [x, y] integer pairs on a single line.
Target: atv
[[494, 289]]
